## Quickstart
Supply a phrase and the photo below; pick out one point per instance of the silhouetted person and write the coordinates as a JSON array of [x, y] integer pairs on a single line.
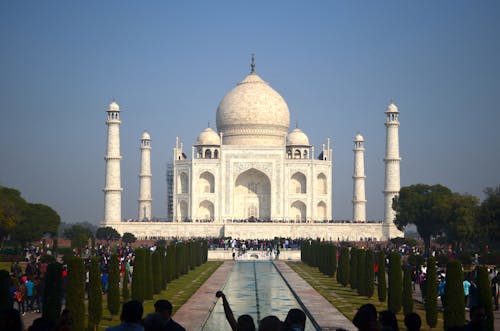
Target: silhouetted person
[[295, 320], [244, 322], [131, 317], [164, 308], [366, 318], [388, 321], [41, 324], [270, 323], [477, 317], [413, 322], [11, 320], [65, 321]]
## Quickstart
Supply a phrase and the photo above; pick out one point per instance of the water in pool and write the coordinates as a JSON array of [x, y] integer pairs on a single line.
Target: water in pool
[[257, 289]]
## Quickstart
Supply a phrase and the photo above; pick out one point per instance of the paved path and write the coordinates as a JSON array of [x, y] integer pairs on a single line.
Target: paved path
[[321, 312], [193, 314]]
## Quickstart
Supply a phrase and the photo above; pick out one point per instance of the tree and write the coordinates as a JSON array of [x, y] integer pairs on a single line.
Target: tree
[[361, 273], [353, 268], [107, 233], [53, 292], [395, 283], [114, 286], [427, 207], [75, 291], [78, 234], [431, 293], [125, 289], [489, 217], [381, 280], [95, 293], [139, 275], [12, 207], [370, 273], [157, 272], [343, 272], [129, 238], [148, 275], [463, 224], [407, 292], [454, 303], [38, 220], [484, 296]]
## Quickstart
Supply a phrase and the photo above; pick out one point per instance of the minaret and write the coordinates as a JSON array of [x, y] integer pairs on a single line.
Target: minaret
[[359, 178], [392, 174], [112, 187], [145, 178]]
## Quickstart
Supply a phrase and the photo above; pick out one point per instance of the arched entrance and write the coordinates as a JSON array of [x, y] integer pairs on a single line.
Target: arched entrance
[[252, 195]]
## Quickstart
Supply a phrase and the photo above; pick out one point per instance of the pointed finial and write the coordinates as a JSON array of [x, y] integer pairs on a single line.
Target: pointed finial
[[296, 124], [114, 99], [252, 65], [208, 124], [392, 100]]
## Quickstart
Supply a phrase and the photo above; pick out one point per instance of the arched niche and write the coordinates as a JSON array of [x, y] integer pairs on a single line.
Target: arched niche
[[206, 183], [321, 187], [252, 195], [298, 183], [321, 210], [298, 211], [183, 183], [182, 211], [205, 211]]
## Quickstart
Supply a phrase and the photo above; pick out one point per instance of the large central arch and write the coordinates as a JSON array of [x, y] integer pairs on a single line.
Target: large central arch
[[252, 195]]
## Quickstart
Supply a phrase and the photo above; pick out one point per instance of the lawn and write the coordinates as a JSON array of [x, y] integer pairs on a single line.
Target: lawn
[[346, 300]]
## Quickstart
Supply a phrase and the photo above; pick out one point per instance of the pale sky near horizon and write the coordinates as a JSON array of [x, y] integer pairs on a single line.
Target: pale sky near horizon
[[169, 63]]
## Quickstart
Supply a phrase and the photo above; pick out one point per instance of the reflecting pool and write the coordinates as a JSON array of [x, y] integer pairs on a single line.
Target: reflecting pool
[[254, 288]]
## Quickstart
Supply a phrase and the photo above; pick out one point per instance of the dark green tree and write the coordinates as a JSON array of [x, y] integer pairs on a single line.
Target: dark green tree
[[431, 293], [454, 303], [5, 295], [75, 291], [148, 276], [427, 207], [79, 235], [353, 268], [370, 273], [95, 294], [38, 220], [407, 292], [361, 273], [395, 293], [125, 288], [489, 217], [114, 286], [139, 275], [484, 296], [107, 233], [333, 260], [129, 238], [463, 225], [12, 207], [343, 272], [53, 292], [381, 279], [157, 272]]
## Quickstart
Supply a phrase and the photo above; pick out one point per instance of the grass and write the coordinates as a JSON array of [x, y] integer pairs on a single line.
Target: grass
[[178, 292], [347, 301]]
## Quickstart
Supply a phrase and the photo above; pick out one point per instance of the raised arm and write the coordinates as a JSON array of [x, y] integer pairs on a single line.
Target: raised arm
[[227, 310]]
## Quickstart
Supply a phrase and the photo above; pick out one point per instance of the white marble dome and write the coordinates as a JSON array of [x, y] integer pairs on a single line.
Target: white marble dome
[[208, 137], [392, 108], [297, 138], [113, 106], [359, 138], [146, 136], [253, 113]]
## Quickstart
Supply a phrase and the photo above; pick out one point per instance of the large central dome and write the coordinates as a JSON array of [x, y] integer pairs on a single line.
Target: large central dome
[[253, 113]]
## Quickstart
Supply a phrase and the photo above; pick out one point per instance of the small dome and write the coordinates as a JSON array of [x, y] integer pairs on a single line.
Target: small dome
[[253, 113], [113, 106], [208, 137], [359, 137], [297, 138], [146, 136], [392, 108]]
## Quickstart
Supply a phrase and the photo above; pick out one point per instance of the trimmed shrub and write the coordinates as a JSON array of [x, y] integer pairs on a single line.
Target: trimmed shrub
[[353, 268], [139, 275], [407, 292], [454, 303], [381, 279], [361, 273], [157, 273], [125, 289], [75, 291], [53, 292], [484, 296], [95, 294], [343, 272], [114, 286], [333, 260], [370, 273], [431, 293], [148, 275], [395, 294]]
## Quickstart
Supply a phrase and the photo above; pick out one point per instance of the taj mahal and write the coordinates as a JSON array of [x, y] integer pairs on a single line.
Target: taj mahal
[[252, 177]]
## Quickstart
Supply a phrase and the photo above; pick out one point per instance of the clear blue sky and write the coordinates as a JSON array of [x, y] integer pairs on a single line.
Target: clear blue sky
[[168, 64]]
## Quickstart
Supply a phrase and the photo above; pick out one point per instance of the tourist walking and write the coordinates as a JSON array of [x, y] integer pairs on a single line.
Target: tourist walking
[[20, 294]]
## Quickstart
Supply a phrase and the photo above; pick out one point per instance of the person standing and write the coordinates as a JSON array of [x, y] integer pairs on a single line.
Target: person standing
[[30, 292], [466, 284], [21, 298], [495, 289]]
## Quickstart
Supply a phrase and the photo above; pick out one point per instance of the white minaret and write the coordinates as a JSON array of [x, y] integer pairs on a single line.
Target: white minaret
[[359, 178], [392, 174], [112, 187], [145, 178]]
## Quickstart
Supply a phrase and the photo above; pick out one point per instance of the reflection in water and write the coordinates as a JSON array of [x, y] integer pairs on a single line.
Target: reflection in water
[[257, 289]]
